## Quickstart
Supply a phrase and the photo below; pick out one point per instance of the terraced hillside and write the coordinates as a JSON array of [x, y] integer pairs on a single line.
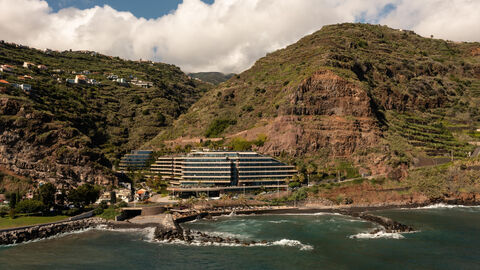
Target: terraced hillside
[[372, 95], [71, 132]]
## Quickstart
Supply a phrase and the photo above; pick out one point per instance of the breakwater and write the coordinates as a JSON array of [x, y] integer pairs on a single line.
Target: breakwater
[[29, 233]]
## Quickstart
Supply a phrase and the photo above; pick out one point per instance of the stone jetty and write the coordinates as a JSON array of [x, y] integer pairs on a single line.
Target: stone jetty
[[20, 235]]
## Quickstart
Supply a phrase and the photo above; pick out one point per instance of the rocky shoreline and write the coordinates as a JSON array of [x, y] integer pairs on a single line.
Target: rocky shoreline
[[170, 229], [30, 233]]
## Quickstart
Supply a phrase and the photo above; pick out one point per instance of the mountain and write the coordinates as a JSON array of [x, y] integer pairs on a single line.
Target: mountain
[[67, 132], [377, 98], [211, 77]]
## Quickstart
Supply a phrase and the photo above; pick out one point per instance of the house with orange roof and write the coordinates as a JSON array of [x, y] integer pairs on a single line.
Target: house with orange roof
[[80, 79], [3, 81], [6, 68]]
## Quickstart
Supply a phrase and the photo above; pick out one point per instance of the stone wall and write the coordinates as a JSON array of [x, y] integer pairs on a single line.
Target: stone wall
[[24, 234]]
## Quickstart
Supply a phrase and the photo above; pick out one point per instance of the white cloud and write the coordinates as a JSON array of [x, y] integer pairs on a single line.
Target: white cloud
[[228, 35], [457, 20]]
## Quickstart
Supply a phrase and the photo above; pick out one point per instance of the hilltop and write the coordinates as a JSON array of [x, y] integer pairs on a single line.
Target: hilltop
[[369, 97], [55, 128]]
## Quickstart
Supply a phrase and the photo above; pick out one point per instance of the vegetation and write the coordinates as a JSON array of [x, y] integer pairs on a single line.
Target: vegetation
[[424, 99], [100, 122], [84, 195]]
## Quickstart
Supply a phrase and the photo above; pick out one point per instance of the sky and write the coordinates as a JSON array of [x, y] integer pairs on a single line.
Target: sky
[[216, 35]]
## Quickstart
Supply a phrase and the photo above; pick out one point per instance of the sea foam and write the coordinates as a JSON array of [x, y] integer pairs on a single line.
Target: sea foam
[[443, 205], [377, 235]]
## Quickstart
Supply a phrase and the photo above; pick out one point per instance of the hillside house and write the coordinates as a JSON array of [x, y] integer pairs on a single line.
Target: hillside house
[[142, 194], [142, 83], [27, 88], [72, 81], [42, 67], [112, 77], [4, 82], [123, 194], [28, 64], [81, 79], [6, 68]]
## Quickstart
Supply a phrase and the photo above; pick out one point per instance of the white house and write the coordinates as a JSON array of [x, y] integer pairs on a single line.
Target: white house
[[26, 87], [28, 64]]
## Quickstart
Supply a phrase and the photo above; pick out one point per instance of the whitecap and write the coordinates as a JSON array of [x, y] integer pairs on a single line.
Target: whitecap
[[448, 206], [292, 243], [278, 221], [377, 235]]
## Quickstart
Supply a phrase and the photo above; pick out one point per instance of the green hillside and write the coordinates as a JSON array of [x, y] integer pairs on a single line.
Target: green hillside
[[348, 91], [84, 125]]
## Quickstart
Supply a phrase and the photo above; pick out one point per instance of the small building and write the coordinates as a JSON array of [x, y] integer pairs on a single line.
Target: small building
[[27, 88], [28, 64], [124, 194], [3, 198], [6, 68], [72, 81], [81, 79], [142, 83], [112, 77], [42, 67], [142, 194], [4, 82]]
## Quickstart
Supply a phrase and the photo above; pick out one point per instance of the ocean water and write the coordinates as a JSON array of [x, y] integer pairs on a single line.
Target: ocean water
[[447, 238]]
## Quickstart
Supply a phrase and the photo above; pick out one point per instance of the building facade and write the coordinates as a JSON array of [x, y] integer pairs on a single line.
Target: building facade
[[136, 160], [201, 171]]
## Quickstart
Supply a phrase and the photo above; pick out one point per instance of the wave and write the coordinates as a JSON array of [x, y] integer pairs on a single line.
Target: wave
[[377, 235], [278, 221], [292, 243], [443, 206], [308, 214]]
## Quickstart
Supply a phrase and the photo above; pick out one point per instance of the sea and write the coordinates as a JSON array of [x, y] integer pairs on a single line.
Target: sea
[[446, 237]]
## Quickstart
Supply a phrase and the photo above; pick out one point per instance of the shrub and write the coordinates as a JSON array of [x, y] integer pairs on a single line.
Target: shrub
[[218, 126], [98, 211], [122, 204], [29, 206]]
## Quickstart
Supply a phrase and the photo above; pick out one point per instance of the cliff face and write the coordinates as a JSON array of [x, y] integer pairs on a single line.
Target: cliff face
[[33, 145], [325, 113]]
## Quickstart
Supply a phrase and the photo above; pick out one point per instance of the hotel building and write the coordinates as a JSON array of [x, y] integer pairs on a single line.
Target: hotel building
[[216, 171], [136, 160]]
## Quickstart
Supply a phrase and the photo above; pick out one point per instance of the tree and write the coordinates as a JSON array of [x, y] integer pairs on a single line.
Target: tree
[[113, 197], [30, 206], [311, 168], [46, 194], [12, 200], [84, 195]]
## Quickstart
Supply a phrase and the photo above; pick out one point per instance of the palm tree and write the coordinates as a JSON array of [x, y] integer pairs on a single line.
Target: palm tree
[[311, 168]]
